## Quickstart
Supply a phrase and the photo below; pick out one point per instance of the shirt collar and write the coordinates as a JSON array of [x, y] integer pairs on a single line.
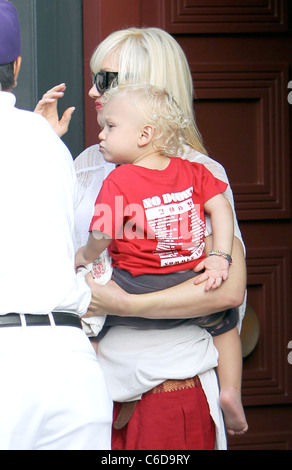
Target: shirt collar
[[7, 99]]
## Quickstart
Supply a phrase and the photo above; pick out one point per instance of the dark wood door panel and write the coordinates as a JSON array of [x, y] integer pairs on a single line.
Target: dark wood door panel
[[242, 112], [225, 16], [270, 428]]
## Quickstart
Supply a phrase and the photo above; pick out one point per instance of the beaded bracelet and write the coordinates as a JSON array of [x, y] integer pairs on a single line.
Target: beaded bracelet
[[221, 253]]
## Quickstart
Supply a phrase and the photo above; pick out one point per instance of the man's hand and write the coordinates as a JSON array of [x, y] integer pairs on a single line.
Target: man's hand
[[108, 299]]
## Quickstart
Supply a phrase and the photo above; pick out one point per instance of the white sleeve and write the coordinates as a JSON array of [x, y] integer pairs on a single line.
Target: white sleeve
[[91, 170]]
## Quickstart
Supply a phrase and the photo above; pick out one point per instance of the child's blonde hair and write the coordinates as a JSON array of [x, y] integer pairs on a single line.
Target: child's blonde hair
[[152, 56], [155, 106]]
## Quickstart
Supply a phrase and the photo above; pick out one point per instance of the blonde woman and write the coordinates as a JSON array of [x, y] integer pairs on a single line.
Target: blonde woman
[[164, 376]]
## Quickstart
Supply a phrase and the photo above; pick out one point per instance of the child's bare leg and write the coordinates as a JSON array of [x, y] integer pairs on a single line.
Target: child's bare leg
[[229, 372]]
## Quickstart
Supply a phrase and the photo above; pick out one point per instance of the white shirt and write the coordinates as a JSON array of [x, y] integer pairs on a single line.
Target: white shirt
[[37, 191], [134, 361]]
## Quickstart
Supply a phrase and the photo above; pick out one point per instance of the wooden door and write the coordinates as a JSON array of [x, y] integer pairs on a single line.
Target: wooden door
[[240, 54]]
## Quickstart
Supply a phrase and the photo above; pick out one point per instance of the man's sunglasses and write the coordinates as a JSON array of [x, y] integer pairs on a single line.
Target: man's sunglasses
[[103, 80]]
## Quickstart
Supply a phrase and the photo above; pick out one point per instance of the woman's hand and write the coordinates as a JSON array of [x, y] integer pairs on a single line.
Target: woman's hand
[[48, 108]]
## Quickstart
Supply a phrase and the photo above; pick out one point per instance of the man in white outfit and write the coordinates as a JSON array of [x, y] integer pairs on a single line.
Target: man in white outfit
[[53, 393]]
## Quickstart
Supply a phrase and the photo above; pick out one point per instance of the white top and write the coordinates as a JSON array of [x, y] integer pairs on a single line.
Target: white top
[[37, 191], [135, 360]]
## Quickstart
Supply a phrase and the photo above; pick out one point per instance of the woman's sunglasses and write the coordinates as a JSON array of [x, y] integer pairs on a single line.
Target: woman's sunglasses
[[103, 80]]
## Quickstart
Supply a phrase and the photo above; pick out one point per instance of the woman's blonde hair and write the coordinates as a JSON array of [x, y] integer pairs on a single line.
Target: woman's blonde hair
[[152, 56], [155, 106]]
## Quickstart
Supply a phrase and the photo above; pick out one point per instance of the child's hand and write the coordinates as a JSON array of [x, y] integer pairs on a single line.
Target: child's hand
[[216, 271], [79, 259]]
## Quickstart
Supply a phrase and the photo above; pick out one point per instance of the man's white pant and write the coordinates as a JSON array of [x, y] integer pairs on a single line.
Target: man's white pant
[[53, 394]]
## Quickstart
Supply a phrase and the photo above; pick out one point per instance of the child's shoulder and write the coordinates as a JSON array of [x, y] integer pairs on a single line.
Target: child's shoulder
[[121, 174], [121, 170], [194, 166]]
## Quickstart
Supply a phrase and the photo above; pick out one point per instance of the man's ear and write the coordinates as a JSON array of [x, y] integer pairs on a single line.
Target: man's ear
[[146, 135]]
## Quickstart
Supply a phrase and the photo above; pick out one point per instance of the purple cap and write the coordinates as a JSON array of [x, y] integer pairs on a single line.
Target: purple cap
[[9, 33]]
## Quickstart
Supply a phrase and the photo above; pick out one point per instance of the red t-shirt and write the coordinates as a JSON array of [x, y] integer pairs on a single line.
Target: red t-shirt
[[156, 218]]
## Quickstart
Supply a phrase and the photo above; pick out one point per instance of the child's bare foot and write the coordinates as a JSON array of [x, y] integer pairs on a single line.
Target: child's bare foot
[[234, 415]]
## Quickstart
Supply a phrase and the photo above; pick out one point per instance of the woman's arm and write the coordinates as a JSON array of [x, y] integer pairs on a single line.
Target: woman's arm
[[185, 300]]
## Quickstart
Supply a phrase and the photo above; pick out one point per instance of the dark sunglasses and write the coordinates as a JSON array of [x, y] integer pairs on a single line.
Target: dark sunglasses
[[103, 80]]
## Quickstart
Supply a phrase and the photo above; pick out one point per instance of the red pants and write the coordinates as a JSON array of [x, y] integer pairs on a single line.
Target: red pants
[[169, 420]]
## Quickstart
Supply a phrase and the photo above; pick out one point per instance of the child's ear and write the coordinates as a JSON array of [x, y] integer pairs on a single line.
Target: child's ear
[[146, 135]]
